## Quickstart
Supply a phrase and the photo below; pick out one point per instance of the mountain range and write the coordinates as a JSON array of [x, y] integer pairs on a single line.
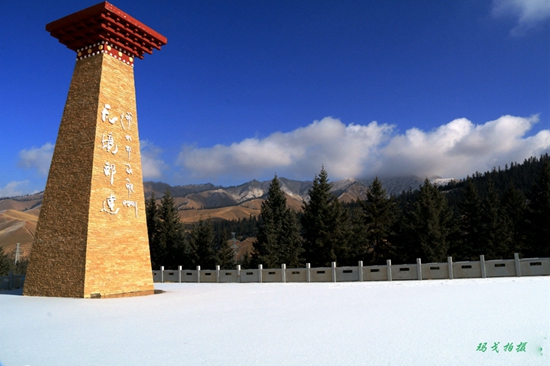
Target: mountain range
[[209, 196], [19, 215]]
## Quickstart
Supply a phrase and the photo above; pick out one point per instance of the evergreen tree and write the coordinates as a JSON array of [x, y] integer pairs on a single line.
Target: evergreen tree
[[226, 253], [245, 261], [379, 218], [428, 226], [358, 248], [169, 241], [496, 226], [5, 263], [278, 240], [202, 246], [514, 206], [321, 224], [470, 244], [539, 214], [152, 214]]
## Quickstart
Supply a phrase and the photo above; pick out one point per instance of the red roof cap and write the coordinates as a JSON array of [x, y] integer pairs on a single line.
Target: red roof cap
[[105, 22]]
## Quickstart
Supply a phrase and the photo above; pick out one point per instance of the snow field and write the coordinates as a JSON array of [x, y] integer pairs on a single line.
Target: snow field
[[369, 323]]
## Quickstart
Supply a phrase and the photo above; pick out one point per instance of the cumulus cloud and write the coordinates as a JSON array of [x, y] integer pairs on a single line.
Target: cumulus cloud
[[13, 188], [151, 163], [37, 158], [343, 150], [459, 147], [529, 13], [454, 149]]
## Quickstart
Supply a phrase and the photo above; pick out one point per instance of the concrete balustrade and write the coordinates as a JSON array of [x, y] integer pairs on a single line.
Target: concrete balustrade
[[397, 272]]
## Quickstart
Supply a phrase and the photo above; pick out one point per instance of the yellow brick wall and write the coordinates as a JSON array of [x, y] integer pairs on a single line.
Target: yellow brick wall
[[84, 248]]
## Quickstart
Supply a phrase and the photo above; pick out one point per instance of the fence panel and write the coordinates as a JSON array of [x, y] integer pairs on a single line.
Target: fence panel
[[171, 275], [500, 268], [375, 273], [321, 274], [435, 271], [404, 272], [347, 274], [471, 269], [208, 276], [535, 266], [228, 275], [189, 275], [250, 275], [296, 275], [272, 275]]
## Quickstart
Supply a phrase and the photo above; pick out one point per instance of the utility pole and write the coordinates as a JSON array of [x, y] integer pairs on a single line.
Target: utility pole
[[17, 253]]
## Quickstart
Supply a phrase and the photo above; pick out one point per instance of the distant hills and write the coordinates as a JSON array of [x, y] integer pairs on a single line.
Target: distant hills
[[208, 196], [18, 215]]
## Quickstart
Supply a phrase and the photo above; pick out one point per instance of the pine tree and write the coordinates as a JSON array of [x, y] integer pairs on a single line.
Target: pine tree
[[470, 244], [514, 206], [278, 240], [429, 225], [5, 263], [169, 243], [379, 218], [152, 213], [202, 246], [321, 220], [539, 214], [226, 254], [496, 227], [359, 249]]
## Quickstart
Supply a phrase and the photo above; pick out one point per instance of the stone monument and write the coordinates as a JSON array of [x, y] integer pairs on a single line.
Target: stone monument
[[91, 237]]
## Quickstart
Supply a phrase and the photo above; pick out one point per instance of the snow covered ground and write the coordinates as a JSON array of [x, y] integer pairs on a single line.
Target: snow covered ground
[[369, 323]]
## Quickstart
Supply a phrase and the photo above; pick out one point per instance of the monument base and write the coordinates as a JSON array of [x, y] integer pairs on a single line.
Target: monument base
[[124, 294]]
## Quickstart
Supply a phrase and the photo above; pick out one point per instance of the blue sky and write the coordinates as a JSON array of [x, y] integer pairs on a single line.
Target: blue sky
[[249, 89]]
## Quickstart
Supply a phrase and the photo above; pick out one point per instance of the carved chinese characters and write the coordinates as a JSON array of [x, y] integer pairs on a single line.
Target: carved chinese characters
[[109, 146]]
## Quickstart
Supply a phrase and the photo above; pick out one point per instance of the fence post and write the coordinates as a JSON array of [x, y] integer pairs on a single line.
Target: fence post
[[333, 271], [179, 274], [419, 269], [161, 274], [388, 267], [308, 272], [217, 273], [198, 274], [518, 268], [238, 273], [260, 269], [450, 265], [283, 272], [482, 264], [360, 265]]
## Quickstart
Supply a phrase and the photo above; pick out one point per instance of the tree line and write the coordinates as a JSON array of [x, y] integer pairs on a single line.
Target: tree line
[[463, 219]]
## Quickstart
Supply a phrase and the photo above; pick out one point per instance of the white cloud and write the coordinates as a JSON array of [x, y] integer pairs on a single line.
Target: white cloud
[[343, 150], [529, 13], [37, 158], [13, 189], [152, 165], [455, 149], [459, 148]]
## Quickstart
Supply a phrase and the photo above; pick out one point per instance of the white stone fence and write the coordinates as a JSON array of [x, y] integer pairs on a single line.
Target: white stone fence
[[388, 272]]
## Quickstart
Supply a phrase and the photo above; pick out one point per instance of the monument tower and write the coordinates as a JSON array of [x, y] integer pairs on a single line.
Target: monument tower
[[91, 237]]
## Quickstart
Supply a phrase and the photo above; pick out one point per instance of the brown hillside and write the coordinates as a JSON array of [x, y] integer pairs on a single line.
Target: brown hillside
[[244, 247], [294, 203], [223, 213], [255, 204], [17, 227], [21, 203]]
